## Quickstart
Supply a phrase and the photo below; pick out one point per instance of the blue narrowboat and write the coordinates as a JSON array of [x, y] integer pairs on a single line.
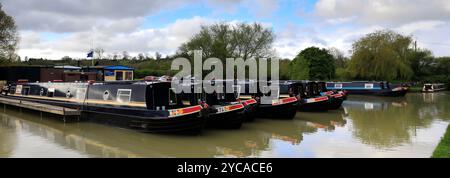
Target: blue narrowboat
[[369, 88]]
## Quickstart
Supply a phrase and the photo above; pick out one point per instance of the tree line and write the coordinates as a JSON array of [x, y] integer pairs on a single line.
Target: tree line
[[381, 55]]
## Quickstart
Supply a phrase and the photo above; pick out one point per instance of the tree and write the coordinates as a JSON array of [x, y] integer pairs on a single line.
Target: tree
[[125, 55], [9, 37], [223, 41], [382, 55], [158, 55], [99, 53], [313, 64]]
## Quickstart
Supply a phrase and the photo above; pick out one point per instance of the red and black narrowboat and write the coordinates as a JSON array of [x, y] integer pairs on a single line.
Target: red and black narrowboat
[[308, 92], [337, 97], [274, 106]]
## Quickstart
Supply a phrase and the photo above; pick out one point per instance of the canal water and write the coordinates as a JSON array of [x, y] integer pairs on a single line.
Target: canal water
[[365, 127]]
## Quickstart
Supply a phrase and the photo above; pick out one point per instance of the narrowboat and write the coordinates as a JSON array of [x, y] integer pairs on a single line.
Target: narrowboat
[[369, 88], [224, 111], [433, 87], [270, 106], [308, 94], [145, 106], [337, 97]]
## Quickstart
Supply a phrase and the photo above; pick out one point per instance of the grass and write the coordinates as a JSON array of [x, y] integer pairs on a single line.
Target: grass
[[443, 149]]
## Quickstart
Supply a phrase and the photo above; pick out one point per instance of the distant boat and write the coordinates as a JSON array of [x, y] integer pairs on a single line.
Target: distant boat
[[433, 87], [369, 88]]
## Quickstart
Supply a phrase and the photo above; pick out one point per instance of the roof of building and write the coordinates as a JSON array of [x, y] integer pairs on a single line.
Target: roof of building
[[118, 68]]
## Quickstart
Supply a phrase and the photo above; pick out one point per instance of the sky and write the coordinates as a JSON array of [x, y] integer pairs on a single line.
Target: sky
[[56, 28]]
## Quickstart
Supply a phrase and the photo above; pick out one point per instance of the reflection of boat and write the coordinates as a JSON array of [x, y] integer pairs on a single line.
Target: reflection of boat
[[327, 121], [373, 103], [369, 88], [433, 87], [102, 141]]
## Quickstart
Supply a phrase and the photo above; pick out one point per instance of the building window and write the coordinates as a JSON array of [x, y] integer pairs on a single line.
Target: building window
[[129, 75], [124, 95], [119, 76]]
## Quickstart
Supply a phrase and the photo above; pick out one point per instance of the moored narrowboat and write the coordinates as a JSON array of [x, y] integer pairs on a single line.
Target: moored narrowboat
[[308, 92], [145, 106], [224, 111], [274, 106], [369, 88], [337, 97], [433, 87]]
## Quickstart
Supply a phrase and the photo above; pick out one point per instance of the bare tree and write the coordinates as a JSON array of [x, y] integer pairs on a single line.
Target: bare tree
[[99, 53]]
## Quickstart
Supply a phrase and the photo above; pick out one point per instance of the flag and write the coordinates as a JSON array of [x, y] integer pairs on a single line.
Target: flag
[[90, 54]]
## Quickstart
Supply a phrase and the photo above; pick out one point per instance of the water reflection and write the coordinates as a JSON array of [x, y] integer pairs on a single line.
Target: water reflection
[[390, 122], [365, 127]]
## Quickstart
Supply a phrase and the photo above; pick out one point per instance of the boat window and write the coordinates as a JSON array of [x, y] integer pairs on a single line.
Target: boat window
[[41, 93], [338, 85], [68, 94], [106, 95], [124, 95], [51, 92], [368, 85], [81, 93], [172, 97], [19, 89], [26, 90]]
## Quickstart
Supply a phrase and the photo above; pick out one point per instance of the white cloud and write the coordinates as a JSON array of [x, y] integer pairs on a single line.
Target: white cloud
[[164, 40]]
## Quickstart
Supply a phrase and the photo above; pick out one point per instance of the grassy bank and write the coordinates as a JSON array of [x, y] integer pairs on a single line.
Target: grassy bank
[[443, 149]]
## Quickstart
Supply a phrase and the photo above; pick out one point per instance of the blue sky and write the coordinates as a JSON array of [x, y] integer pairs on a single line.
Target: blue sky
[[54, 28]]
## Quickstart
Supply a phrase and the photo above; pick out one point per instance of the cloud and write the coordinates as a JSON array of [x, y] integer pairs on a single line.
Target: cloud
[[81, 15], [386, 12], [164, 40]]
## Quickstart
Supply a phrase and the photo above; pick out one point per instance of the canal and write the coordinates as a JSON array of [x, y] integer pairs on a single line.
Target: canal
[[365, 127]]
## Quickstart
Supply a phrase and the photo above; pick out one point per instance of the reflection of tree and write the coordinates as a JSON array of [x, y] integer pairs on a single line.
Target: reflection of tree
[[393, 124], [7, 137]]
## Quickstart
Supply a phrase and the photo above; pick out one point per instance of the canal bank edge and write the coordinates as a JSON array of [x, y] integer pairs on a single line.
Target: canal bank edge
[[443, 148]]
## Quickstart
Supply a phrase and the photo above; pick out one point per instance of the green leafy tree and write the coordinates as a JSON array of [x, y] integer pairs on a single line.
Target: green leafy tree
[[313, 64], [9, 38], [223, 41], [383, 55]]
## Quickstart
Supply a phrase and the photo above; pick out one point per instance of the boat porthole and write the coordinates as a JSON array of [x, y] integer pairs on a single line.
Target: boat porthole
[[68, 94], [41, 93], [106, 95]]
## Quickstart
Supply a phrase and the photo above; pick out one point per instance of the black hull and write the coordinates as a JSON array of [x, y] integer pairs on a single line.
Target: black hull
[[250, 112], [388, 93], [228, 120], [285, 111], [320, 106], [336, 103], [189, 124]]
